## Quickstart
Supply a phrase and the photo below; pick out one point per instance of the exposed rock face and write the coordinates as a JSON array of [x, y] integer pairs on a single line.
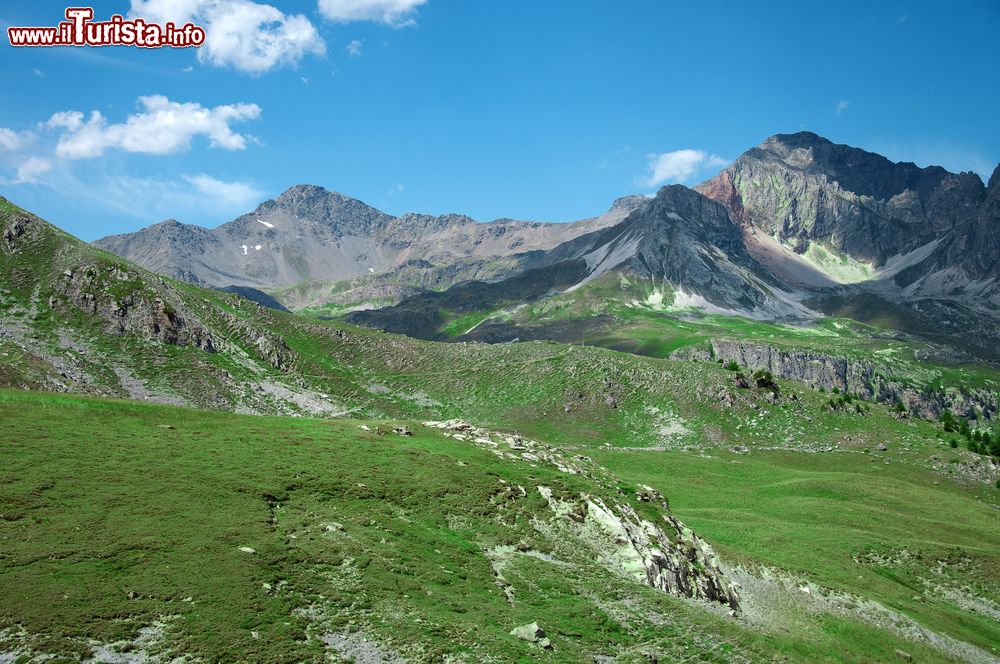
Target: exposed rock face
[[22, 229], [108, 291], [688, 243], [668, 557], [869, 380], [118, 297], [802, 188], [309, 233], [854, 216]]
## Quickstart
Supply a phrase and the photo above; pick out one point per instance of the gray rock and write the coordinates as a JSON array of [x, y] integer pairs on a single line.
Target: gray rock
[[865, 378], [533, 633]]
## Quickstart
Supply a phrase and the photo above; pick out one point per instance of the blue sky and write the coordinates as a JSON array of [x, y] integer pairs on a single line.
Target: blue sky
[[536, 109]]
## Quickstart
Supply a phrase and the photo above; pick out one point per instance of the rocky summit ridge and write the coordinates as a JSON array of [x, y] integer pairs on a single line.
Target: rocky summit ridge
[[311, 233]]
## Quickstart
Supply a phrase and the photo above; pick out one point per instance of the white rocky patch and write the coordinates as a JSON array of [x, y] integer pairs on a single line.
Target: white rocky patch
[[147, 646], [245, 249], [671, 428], [511, 446], [839, 267], [684, 300], [256, 247], [654, 301], [268, 224]]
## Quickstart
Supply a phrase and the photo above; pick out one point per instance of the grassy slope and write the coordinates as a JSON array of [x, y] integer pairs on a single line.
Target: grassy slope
[[115, 513], [831, 518]]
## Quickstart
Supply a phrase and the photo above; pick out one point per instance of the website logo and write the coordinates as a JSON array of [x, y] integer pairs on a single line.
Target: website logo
[[80, 29]]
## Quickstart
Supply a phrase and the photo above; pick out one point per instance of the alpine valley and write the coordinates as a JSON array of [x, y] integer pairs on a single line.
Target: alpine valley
[[751, 421]]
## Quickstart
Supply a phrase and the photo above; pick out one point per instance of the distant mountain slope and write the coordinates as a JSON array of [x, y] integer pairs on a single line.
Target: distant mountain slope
[[309, 233], [823, 214], [681, 245], [795, 228]]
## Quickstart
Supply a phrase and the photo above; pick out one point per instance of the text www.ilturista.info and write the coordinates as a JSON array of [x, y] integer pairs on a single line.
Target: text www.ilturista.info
[[79, 29]]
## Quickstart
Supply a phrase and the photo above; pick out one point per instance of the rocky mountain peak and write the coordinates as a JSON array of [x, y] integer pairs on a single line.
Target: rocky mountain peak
[[628, 203], [787, 142], [328, 208], [995, 179], [171, 226], [855, 170], [300, 193]]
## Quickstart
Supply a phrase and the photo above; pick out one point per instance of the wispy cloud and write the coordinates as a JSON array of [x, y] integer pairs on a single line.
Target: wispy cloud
[[679, 166], [30, 169], [195, 198], [14, 140], [903, 18], [842, 106], [160, 127], [396, 13], [227, 195], [354, 48], [611, 161]]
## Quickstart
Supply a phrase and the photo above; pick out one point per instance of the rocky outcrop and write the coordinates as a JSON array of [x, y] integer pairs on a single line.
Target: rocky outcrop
[[868, 379], [667, 556], [110, 291], [123, 299], [532, 633], [19, 230]]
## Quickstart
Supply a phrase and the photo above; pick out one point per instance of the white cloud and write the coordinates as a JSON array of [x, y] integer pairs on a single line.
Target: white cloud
[[248, 36], [679, 166], [162, 127], [354, 48], [397, 13], [14, 140], [842, 106], [28, 172], [236, 195]]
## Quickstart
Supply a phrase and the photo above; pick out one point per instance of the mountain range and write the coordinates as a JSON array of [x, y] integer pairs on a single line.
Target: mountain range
[[794, 229], [310, 233]]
